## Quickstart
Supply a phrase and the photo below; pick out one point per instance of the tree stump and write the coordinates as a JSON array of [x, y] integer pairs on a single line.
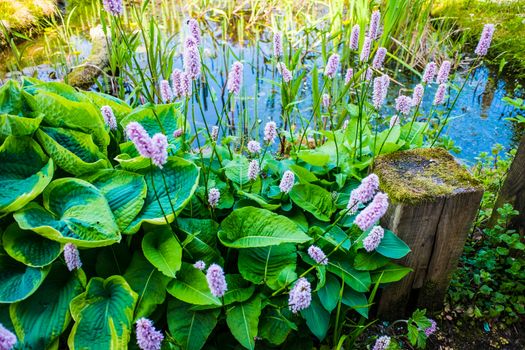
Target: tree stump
[[433, 202], [513, 190]]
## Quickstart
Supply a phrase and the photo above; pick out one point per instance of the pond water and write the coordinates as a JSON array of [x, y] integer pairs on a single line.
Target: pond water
[[478, 121]]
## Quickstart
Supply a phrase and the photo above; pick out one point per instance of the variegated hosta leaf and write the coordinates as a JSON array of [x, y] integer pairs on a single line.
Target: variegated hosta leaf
[[74, 211], [18, 281], [64, 107], [120, 108], [25, 171], [103, 315], [73, 151], [29, 248], [182, 178], [18, 126], [124, 191], [40, 319]]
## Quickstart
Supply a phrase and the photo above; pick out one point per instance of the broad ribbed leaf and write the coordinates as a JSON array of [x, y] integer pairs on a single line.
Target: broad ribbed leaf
[[25, 171], [314, 199], [191, 287], [18, 281], [266, 264], [29, 248], [40, 319], [18, 126], [390, 273], [201, 240], [149, 116], [243, 321], [190, 328], [163, 251], [148, 283], [13, 100], [274, 326], [124, 191], [251, 227], [119, 107], [341, 266], [103, 315], [356, 300], [317, 318], [69, 109], [75, 211], [329, 294], [238, 289], [369, 261], [392, 246], [73, 151], [182, 178]]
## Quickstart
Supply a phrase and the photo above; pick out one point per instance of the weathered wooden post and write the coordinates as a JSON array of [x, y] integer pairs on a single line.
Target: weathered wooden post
[[513, 190], [434, 201]]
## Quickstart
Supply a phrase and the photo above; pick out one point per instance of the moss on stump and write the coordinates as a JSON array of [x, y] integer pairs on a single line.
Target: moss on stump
[[422, 174]]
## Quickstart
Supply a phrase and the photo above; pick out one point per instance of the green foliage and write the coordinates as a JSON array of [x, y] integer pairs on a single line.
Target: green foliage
[[140, 229], [490, 281]]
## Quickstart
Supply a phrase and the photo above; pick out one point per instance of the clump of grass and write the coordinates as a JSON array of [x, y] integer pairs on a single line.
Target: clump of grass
[[25, 15], [508, 50]]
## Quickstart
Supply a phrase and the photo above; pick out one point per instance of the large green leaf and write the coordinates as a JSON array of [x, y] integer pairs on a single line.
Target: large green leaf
[[163, 251], [238, 289], [201, 239], [329, 293], [341, 266], [274, 326], [317, 318], [356, 300], [251, 227], [390, 273], [314, 199], [25, 171], [243, 321], [124, 191], [13, 100], [392, 246], [69, 109], [75, 211], [148, 283], [182, 178], [73, 151], [18, 126], [369, 261], [103, 315], [149, 116], [267, 264], [190, 328], [29, 248], [18, 281], [40, 319], [191, 287], [119, 107]]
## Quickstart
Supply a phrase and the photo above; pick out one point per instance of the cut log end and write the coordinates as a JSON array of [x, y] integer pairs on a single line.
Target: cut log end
[[423, 174]]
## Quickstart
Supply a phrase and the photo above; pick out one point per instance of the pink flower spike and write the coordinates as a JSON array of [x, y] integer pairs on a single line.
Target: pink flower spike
[[285, 73], [114, 7], [191, 59], [165, 91], [253, 170], [200, 265], [317, 255], [429, 73], [403, 104], [349, 75], [332, 66], [140, 138], [485, 40], [235, 78], [216, 280], [72, 257], [159, 144], [417, 95], [214, 195], [373, 212], [195, 31], [176, 82], [254, 147], [354, 38], [287, 182], [382, 343], [109, 117], [277, 44], [379, 58], [443, 73], [372, 241], [300, 295], [439, 97], [365, 51], [270, 132], [148, 338], [7, 338], [374, 25]]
